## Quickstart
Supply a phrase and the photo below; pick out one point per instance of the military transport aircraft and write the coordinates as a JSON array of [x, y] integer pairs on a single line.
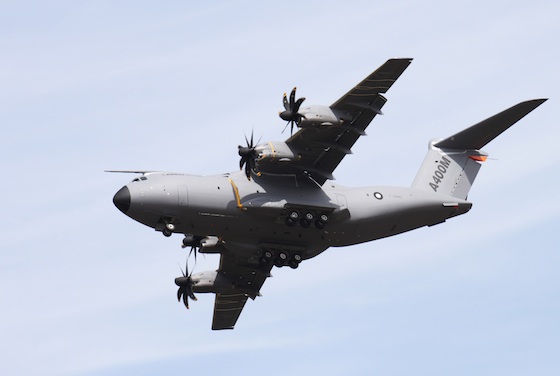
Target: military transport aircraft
[[283, 206]]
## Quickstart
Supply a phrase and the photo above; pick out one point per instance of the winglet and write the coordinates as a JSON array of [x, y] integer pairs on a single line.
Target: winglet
[[480, 134]]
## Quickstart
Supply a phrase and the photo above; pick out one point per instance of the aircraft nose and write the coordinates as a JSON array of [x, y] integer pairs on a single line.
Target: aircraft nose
[[122, 199]]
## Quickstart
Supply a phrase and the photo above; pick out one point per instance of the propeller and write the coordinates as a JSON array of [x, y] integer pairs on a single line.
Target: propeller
[[248, 156], [185, 282], [185, 289], [291, 114]]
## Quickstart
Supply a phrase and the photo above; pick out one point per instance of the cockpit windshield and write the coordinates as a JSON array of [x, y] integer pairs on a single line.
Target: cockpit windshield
[[141, 178]]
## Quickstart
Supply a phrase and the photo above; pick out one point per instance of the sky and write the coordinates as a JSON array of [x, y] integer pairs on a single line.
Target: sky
[[91, 86]]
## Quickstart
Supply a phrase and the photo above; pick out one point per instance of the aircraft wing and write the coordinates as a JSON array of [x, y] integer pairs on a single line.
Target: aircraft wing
[[247, 277], [326, 147]]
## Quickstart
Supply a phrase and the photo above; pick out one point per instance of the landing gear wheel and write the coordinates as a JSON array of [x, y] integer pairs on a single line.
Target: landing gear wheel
[[268, 255], [281, 259], [168, 230], [294, 262], [309, 217], [321, 221]]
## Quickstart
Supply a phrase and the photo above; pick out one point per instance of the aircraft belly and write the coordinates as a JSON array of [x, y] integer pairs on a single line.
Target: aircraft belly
[[380, 212]]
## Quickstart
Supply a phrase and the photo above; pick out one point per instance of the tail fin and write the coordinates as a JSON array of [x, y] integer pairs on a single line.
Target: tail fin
[[452, 164]]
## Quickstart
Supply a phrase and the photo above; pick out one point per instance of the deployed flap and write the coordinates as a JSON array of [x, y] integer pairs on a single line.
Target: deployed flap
[[482, 133], [227, 308]]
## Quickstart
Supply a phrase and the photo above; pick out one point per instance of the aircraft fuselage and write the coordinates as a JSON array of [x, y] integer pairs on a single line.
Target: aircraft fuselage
[[258, 211]]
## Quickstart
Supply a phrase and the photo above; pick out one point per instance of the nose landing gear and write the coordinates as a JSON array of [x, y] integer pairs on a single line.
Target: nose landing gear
[[168, 230]]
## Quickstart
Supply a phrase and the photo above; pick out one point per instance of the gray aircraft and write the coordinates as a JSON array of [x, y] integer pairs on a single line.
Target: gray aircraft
[[283, 206]]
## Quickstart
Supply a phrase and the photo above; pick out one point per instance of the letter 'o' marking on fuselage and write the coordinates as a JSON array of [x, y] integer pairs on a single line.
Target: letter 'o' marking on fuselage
[[439, 174], [378, 195]]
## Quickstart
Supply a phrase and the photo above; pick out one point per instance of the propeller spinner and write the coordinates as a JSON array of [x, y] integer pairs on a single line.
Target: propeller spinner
[[291, 114]]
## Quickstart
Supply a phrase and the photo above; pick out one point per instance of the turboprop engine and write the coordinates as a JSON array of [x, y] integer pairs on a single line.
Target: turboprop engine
[[209, 281], [310, 116], [319, 116]]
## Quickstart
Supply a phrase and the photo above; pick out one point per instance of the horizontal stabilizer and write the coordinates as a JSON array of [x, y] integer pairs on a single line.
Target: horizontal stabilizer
[[480, 134]]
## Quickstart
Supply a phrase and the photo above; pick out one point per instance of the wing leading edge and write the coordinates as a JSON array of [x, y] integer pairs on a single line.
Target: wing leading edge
[[323, 149]]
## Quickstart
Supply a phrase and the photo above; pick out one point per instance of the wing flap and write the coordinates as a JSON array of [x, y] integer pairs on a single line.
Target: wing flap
[[227, 308]]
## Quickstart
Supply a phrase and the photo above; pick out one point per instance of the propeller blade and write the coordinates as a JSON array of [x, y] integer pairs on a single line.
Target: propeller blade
[[190, 291], [179, 294], [186, 301], [298, 105], [292, 99]]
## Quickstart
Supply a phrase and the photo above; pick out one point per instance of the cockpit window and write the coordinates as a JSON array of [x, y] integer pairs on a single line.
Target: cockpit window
[[140, 178]]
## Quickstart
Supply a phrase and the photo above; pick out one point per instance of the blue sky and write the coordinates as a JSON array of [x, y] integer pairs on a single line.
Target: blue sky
[[95, 85]]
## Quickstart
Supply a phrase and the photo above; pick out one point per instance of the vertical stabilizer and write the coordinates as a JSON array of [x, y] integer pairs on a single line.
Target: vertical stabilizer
[[449, 172], [452, 164]]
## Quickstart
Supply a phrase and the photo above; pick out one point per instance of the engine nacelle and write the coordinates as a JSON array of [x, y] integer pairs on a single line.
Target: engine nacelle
[[210, 281], [320, 116], [274, 151]]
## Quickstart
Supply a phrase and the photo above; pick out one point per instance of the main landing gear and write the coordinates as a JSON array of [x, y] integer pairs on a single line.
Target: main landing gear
[[280, 258], [168, 230], [306, 218]]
